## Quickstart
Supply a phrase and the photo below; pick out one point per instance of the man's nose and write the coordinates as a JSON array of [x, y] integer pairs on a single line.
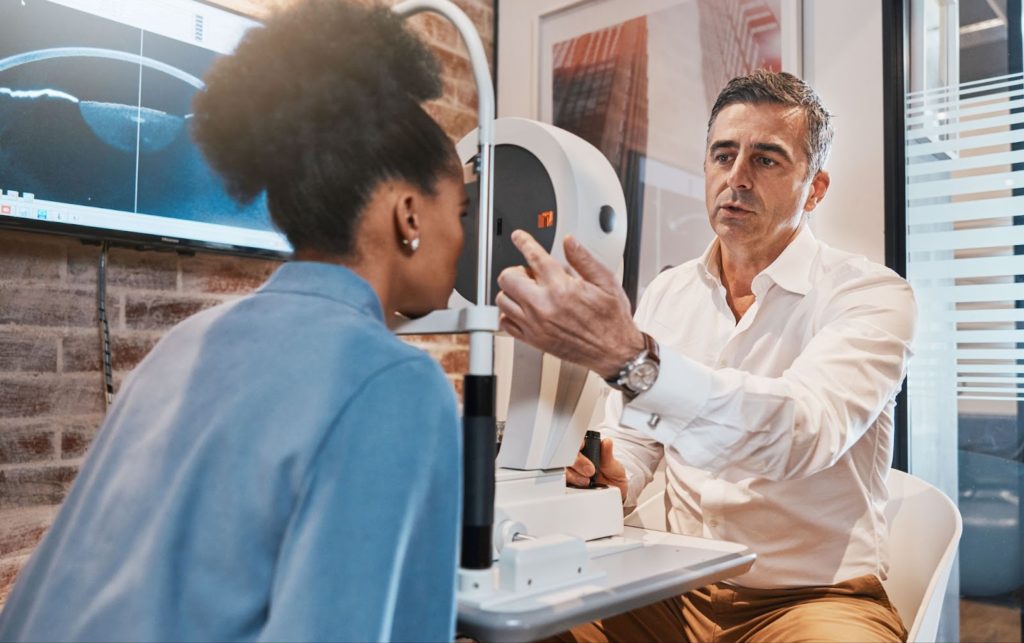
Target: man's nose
[[739, 175]]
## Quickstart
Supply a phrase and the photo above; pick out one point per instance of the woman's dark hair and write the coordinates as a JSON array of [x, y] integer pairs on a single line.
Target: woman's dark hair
[[317, 107]]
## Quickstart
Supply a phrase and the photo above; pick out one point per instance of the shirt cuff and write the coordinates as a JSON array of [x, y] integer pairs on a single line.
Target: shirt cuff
[[680, 392]]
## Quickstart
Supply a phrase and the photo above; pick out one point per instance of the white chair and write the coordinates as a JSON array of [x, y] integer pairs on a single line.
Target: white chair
[[924, 529]]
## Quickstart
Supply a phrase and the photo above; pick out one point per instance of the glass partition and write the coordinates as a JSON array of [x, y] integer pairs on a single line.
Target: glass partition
[[964, 148]]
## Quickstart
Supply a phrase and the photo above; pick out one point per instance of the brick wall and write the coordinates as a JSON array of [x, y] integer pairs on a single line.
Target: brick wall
[[51, 385]]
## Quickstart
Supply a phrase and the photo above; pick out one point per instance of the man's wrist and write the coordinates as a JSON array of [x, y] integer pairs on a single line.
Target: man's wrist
[[622, 355], [638, 373]]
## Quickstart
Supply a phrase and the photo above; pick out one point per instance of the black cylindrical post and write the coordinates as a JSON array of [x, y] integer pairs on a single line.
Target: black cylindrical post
[[479, 437]]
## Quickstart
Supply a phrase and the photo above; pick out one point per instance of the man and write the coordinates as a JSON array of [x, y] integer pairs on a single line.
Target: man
[[764, 372]]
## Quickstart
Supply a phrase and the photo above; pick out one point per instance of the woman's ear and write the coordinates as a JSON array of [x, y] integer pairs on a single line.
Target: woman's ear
[[407, 220], [819, 186]]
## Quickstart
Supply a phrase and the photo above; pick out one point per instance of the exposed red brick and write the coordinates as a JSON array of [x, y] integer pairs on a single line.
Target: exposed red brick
[[51, 306], [81, 351], [128, 351], [161, 312], [10, 566], [76, 440], [481, 13], [23, 528], [454, 64], [30, 443], [222, 274], [453, 357], [435, 30], [456, 122], [24, 350], [126, 268], [455, 361], [29, 256], [35, 486], [83, 263], [49, 396], [459, 93], [142, 270]]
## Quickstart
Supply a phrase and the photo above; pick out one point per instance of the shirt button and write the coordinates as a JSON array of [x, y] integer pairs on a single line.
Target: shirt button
[[712, 523]]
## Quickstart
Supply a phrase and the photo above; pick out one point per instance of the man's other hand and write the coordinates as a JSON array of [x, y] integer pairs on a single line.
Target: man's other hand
[[612, 472], [580, 314]]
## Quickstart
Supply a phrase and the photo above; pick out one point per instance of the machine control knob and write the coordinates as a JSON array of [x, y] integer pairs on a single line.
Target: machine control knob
[[507, 532], [607, 218], [592, 450]]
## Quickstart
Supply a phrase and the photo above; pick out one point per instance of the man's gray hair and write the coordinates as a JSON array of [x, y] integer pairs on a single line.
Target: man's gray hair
[[781, 88]]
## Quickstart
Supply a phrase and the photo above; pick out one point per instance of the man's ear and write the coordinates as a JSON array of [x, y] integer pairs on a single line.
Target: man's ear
[[406, 218], [819, 186]]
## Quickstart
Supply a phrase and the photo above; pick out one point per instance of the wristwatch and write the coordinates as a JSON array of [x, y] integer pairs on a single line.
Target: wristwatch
[[640, 373]]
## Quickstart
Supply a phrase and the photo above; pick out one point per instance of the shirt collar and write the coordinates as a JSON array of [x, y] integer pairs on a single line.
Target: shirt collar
[[709, 267], [790, 270], [327, 280]]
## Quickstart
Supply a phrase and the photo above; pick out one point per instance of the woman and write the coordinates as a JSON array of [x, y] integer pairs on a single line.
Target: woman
[[282, 467]]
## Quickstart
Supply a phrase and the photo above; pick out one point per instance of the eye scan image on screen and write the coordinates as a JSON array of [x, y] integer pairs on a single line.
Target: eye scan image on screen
[[95, 110]]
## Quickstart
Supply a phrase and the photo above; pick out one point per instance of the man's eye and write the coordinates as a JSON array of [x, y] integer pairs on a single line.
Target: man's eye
[[767, 162], [721, 158]]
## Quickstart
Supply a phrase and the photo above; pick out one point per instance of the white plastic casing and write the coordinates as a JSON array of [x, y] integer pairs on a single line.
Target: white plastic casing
[[538, 394]]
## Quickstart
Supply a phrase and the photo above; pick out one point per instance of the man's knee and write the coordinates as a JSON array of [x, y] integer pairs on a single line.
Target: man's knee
[[855, 619]]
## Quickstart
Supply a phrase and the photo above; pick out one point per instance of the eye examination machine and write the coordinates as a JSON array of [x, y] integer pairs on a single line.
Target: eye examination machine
[[538, 557]]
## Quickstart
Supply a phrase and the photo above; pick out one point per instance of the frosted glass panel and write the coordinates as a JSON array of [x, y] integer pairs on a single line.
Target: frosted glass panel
[[965, 201], [960, 244]]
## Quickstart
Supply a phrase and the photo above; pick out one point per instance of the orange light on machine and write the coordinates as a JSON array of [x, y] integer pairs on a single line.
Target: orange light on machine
[[546, 219]]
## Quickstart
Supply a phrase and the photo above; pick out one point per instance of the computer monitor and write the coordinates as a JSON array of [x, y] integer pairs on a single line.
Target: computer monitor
[[95, 108]]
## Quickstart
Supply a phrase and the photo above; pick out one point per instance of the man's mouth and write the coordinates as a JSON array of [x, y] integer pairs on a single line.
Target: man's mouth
[[732, 208]]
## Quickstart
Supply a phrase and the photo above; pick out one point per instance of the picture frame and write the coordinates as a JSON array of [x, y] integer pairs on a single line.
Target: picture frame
[[637, 79]]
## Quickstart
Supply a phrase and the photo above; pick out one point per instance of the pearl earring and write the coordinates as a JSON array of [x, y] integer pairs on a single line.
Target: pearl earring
[[413, 245]]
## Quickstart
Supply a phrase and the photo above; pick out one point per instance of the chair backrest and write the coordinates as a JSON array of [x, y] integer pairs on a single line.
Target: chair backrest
[[924, 529]]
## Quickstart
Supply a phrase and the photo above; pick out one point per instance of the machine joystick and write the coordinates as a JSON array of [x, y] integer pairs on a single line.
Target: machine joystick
[[592, 450]]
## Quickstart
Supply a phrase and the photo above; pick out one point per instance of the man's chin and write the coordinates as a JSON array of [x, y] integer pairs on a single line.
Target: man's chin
[[734, 227]]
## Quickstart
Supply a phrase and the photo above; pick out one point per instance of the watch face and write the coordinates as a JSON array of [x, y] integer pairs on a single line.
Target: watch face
[[642, 377]]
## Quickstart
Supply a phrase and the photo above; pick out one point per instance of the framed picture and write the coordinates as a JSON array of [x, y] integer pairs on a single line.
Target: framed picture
[[637, 79]]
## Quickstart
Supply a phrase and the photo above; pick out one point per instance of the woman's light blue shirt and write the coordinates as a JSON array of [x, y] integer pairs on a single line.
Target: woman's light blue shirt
[[278, 468]]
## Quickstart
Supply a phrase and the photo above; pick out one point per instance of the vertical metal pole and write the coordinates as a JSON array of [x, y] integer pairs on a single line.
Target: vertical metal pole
[[1015, 65], [479, 426], [894, 38]]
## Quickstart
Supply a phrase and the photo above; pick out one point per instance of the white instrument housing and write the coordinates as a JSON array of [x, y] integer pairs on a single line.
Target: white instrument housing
[[562, 182]]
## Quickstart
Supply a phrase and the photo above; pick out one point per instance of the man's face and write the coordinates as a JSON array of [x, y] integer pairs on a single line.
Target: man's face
[[755, 175]]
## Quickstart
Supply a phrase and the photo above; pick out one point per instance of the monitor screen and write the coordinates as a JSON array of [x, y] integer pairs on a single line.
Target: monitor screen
[[95, 104]]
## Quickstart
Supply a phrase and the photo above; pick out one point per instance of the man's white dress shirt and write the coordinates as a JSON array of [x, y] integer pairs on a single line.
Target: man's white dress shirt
[[777, 429]]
